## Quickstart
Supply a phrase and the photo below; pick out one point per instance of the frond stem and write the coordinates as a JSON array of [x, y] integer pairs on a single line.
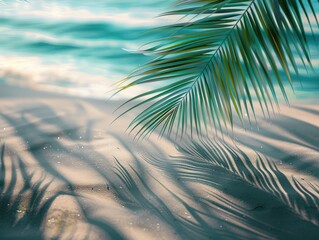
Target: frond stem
[[213, 56]]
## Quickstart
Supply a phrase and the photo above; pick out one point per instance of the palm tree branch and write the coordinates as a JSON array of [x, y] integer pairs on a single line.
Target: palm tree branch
[[214, 54], [210, 63]]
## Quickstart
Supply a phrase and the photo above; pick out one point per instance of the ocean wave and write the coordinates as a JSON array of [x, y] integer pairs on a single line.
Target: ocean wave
[[137, 15], [79, 47]]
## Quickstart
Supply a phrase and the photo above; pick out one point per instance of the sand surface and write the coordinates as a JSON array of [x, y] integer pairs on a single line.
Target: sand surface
[[67, 173]]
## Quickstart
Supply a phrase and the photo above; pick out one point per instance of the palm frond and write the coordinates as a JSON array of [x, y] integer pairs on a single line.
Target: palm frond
[[217, 59]]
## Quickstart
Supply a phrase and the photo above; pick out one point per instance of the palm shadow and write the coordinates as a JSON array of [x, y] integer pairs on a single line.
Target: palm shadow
[[39, 141], [263, 173], [212, 214], [23, 209], [275, 197], [198, 220], [286, 129]]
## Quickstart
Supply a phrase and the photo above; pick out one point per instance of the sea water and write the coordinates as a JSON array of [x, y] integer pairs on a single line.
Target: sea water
[[80, 47], [83, 47]]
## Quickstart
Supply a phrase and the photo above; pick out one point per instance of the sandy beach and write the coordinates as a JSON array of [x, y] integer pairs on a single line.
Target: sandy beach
[[66, 172]]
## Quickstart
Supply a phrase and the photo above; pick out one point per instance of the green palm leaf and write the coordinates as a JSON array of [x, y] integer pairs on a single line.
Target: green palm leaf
[[217, 59]]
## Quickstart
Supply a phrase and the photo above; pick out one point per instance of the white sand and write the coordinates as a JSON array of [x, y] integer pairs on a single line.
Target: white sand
[[66, 173]]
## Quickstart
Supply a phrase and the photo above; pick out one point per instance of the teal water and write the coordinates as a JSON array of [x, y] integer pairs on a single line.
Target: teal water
[[81, 47], [73, 46]]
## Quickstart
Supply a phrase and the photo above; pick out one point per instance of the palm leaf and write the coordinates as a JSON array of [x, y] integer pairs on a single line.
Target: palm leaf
[[217, 59]]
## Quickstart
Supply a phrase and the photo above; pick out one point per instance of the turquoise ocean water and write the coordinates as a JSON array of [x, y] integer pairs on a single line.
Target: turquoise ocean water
[[81, 47]]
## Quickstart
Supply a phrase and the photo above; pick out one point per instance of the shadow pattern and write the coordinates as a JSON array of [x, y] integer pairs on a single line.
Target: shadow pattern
[[23, 211], [210, 163], [282, 199], [301, 197], [27, 123]]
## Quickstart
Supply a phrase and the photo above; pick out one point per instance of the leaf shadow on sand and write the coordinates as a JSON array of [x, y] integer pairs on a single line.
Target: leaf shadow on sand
[[276, 206], [285, 129], [178, 212], [23, 209], [200, 201], [40, 141]]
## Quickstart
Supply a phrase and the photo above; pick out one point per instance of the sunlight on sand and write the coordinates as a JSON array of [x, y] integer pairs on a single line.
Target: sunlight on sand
[[64, 166]]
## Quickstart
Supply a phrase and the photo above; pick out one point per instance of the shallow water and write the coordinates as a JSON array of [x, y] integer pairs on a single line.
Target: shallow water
[[82, 47]]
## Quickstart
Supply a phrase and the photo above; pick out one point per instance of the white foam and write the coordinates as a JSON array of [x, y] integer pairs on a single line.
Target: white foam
[[54, 11], [34, 73]]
